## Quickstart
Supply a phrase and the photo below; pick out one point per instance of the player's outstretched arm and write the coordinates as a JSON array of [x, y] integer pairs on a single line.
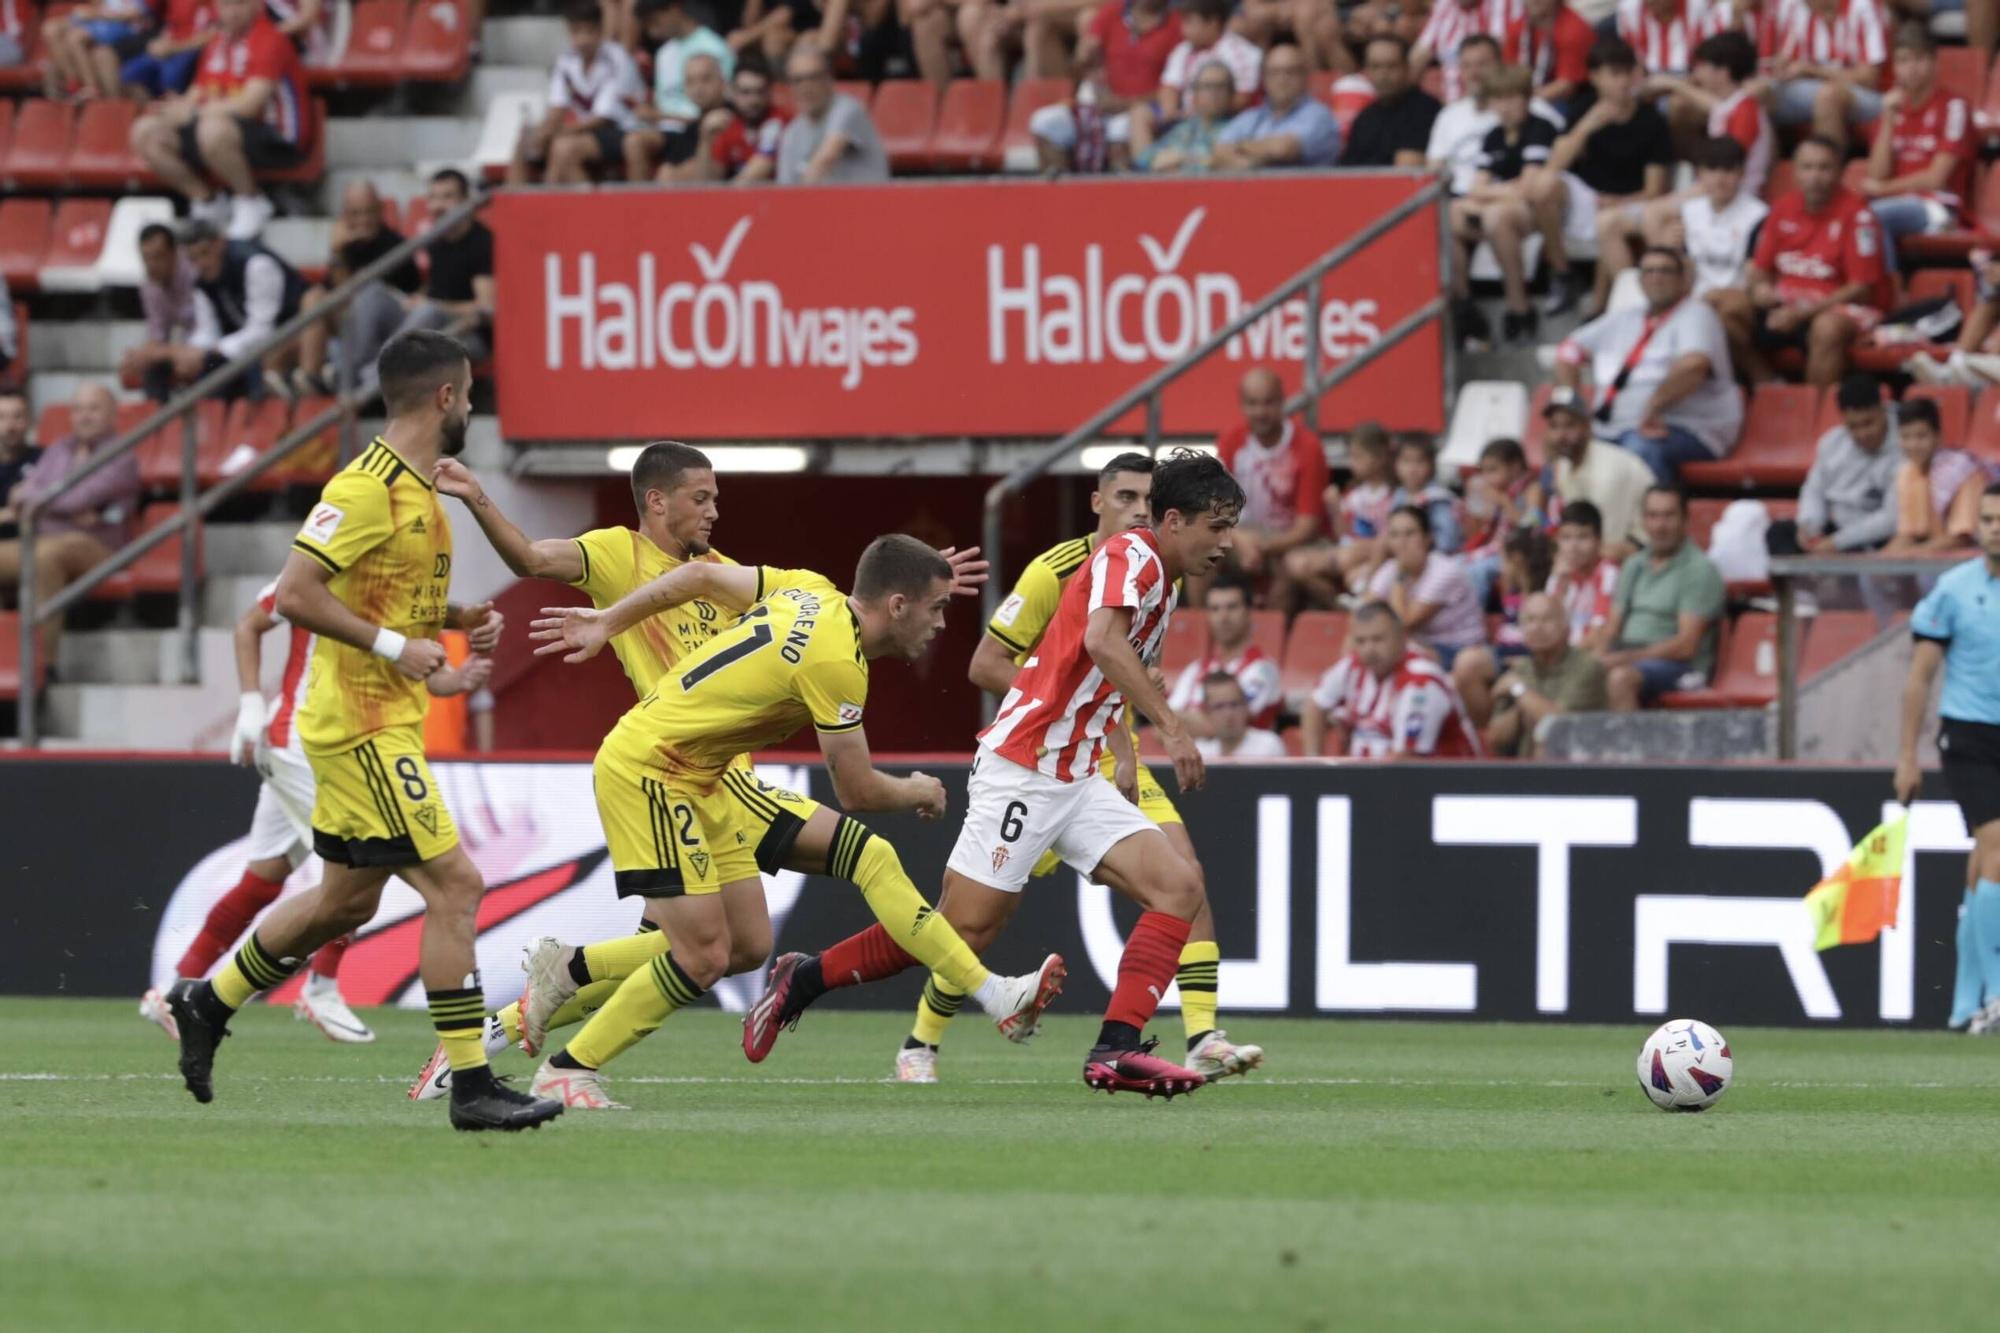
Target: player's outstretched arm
[[1106, 639], [1925, 660], [473, 675], [250, 711], [858, 785], [579, 632], [549, 558], [304, 599]]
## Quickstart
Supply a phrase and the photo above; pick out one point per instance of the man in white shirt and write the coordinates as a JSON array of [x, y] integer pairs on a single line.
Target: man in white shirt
[[1718, 224], [1228, 712], [592, 92], [1459, 132], [1661, 377]]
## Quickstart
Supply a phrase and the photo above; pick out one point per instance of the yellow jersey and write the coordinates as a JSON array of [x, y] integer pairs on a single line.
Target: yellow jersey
[[379, 528], [1024, 617], [792, 658], [618, 560]]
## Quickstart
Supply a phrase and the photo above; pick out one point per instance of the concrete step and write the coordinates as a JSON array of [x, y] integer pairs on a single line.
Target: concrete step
[[83, 346], [141, 656], [300, 242], [529, 40], [393, 142], [248, 550], [487, 80], [145, 717]]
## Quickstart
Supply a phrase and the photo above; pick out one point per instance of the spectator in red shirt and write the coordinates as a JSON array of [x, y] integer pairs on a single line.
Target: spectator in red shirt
[[1814, 281], [1552, 42], [1232, 652], [246, 113], [167, 66], [1121, 56], [745, 149], [1715, 101], [1385, 699], [1920, 169], [1282, 469], [1824, 59]]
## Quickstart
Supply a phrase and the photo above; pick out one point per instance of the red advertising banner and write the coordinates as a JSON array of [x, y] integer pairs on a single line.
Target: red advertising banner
[[991, 308]]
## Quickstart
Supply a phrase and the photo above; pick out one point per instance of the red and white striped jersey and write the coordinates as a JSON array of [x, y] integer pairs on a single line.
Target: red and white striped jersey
[[1055, 717], [279, 733], [1585, 601], [1414, 709], [1255, 670], [1741, 117], [1451, 22], [1666, 45], [1851, 36]]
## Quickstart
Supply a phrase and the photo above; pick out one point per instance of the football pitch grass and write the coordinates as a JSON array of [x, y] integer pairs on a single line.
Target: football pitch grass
[[1379, 1175]]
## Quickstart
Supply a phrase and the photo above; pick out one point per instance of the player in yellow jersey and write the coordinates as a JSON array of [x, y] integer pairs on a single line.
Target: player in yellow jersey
[[667, 793], [1120, 500], [369, 573]]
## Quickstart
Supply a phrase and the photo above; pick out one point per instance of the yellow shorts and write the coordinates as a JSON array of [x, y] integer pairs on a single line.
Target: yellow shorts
[[1153, 804], [377, 804], [666, 842]]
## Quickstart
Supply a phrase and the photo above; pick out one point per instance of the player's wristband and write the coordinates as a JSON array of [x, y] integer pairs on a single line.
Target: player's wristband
[[389, 644]]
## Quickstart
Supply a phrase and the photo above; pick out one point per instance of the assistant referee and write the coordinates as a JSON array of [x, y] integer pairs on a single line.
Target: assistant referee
[[1958, 624]]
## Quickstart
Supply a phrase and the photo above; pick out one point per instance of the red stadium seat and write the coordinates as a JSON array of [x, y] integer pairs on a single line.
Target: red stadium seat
[[316, 462], [1961, 71], [969, 122], [416, 216], [1781, 180], [1776, 448], [76, 239], [437, 44], [1954, 405], [1986, 212], [159, 570], [52, 424], [254, 426], [392, 214], [1313, 645], [10, 658], [6, 128], [1187, 640], [38, 156], [1929, 283], [860, 90], [905, 116], [24, 239], [1030, 96], [1267, 631], [160, 455], [374, 55], [1738, 681], [102, 157]]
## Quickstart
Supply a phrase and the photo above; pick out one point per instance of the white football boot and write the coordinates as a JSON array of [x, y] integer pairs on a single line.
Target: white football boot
[[1215, 1056], [577, 1089], [549, 989], [320, 1003], [153, 1008], [916, 1064]]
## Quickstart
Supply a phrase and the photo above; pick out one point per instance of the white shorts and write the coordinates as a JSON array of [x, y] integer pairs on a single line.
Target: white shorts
[[1580, 218], [1014, 814], [282, 825], [1057, 124]]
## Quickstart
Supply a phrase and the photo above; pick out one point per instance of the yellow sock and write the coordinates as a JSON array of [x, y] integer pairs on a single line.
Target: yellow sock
[[615, 960], [935, 1011], [872, 864], [640, 1004], [510, 1022], [460, 1019], [251, 970], [1201, 960]]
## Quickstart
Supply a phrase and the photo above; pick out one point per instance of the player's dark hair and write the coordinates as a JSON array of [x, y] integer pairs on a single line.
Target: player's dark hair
[[583, 14], [1223, 678], [1229, 581], [752, 62], [1417, 514], [1719, 152], [896, 563], [1194, 485], [455, 177], [1377, 611], [1732, 52], [1821, 142], [1486, 40], [1919, 409], [414, 364], [1402, 47], [1505, 450], [1611, 53], [1914, 35], [1369, 437], [1582, 514], [1215, 11], [1662, 488], [157, 231], [660, 465], [1127, 462], [1533, 546], [1858, 392]]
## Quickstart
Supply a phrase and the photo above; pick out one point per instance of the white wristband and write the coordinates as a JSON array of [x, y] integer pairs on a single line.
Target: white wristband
[[389, 644]]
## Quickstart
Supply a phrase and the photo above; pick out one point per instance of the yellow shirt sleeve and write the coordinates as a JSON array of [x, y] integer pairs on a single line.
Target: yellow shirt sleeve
[[351, 519], [1020, 620], [834, 692], [608, 572]]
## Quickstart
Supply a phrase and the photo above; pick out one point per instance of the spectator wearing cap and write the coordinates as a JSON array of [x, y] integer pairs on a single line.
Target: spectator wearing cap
[[1815, 279], [1848, 500], [1937, 489], [1227, 712], [1123, 56], [831, 140], [243, 292], [1427, 589], [1665, 614], [592, 92], [360, 237], [1663, 382], [1232, 652], [168, 359], [1552, 677], [1395, 128], [1611, 480], [1282, 468], [1206, 42], [1290, 128]]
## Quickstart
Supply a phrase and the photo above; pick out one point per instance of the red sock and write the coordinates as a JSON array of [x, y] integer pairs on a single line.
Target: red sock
[[326, 962], [227, 920], [1146, 968], [860, 959]]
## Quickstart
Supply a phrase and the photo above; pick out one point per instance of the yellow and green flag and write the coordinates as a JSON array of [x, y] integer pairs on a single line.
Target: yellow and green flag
[[1852, 905]]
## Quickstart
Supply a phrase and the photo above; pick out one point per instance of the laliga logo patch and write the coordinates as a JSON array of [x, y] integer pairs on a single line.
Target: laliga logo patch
[[849, 713], [1010, 609], [323, 522]]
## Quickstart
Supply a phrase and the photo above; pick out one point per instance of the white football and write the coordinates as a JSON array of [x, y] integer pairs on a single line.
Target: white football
[[1685, 1066]]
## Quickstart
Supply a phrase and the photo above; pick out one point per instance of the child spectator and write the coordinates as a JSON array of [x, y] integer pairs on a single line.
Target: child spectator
[[1321, 570], [1524, 564], [1417, 487], [88, 45], [166, 67], [1937, 489], [1717, 226], [1505, 495], [1920, 169], [592, 91], [1497, 202], [1584, 579]]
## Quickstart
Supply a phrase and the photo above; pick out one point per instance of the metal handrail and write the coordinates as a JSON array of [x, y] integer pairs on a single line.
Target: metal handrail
[[196, 505], [1148, 390]]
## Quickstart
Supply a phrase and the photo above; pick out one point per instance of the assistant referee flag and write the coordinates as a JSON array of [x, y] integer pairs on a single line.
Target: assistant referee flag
[[1852, 905]]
